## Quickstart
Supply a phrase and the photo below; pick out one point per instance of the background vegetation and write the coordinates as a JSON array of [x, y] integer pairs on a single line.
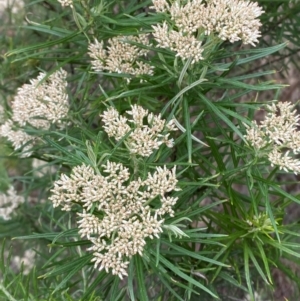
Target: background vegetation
[[233, 237]]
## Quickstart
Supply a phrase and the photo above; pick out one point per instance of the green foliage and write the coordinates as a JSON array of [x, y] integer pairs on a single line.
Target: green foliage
[[228, 230]]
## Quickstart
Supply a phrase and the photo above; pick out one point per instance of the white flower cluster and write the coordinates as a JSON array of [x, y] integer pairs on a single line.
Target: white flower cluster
[[278, 136], [17, 137], [123, 212], [231, 20], [121, 55], [39, 104], [161, 6], [42, 103], [142, 139], [9, 202], [27, 260], [40, 168], [66, 3]]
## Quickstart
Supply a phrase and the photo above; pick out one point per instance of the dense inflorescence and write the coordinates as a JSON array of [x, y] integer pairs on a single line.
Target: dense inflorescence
[[146, 131], [231, 20], [118, 213], [122, 55], [39, 104], [9, 201], [277, 136]]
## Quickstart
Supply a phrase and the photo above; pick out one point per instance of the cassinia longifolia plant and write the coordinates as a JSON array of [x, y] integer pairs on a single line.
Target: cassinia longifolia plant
[[144, 161]]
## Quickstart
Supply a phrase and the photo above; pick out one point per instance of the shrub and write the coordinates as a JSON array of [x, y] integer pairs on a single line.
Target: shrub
[[142, 173]]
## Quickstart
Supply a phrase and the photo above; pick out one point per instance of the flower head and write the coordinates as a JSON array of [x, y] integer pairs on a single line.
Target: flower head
[[9, 202], [146, 131], [18, 137], [232, 20], [121, 55], [66, 3], [42, 103], [39, 104], [160, 5], [125, 212], [277, 136]]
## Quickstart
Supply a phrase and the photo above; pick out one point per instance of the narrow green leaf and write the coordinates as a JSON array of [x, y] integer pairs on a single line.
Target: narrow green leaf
[[100, 277], [140, 277], [69, 267], [258, 268], [231, 280], [184, 276], [264, 259], [281, 247], [166, 279], [179, 94], [183, 71], [43, 45], [114, 290], [247, 270], [187, 122], [194, 254], [66, 233], [237, 84], [214, 109], [252, 55], [130, 280], [77, 266]]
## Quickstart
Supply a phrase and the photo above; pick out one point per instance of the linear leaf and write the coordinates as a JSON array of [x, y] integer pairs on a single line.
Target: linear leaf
[[140, 277], [194, 255], [184, 276]]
